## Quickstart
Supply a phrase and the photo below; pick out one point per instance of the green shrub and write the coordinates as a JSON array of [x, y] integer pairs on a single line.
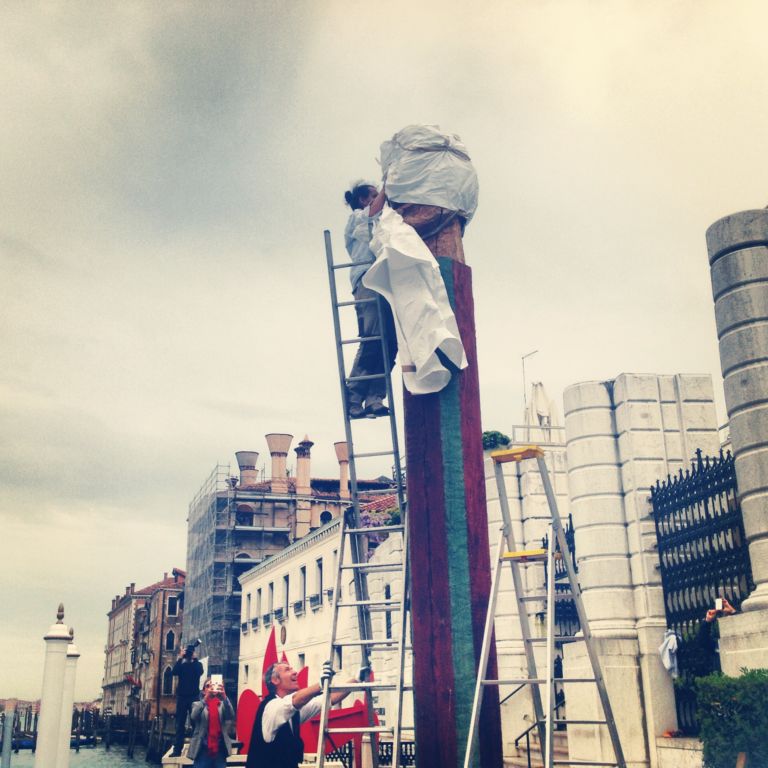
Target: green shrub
[[494, 439], [733, 712]]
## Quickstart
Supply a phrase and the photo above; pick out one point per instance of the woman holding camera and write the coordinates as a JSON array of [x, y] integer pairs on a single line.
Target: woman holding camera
[[213, 720]]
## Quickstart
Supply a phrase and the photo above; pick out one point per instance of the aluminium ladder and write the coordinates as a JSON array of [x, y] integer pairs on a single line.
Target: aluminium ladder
[[352, 551], [545, 714]]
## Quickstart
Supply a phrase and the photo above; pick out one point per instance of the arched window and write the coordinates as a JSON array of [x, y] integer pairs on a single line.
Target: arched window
[[170, 641], [325, 517], [168, 682]]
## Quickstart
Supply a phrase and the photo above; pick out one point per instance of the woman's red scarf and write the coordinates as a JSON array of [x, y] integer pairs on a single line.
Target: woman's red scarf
[[214, 725]]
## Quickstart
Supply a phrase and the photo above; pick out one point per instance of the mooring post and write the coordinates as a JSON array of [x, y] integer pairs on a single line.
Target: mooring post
[[56, 642], [67, 703], [10, 716], [448, 532]]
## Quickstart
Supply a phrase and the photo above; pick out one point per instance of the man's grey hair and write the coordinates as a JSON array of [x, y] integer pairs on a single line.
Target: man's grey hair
[[269, 674]]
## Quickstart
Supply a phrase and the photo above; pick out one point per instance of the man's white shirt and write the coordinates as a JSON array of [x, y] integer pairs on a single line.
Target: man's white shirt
[[280, 711]]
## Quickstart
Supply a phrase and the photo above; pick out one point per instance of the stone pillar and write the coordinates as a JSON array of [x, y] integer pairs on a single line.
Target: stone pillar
[[738, 258], [597, 506], [56, 642], [602, 550], [67, 701], [10, 715], [660, 422]]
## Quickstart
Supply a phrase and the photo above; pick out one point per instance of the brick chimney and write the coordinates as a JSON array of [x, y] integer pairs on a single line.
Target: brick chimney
[[278, 449], [342, 454], [302, 466], [246, 460]]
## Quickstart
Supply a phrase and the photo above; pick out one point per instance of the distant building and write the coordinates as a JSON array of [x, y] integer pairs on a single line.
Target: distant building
[[292, 593], [236, 524], [142, 624]]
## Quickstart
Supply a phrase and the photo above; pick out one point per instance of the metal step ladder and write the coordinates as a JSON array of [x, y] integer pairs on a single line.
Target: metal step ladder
[[545, 713], [352, 555]]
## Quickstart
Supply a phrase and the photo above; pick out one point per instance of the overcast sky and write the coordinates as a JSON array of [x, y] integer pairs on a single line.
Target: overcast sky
[[167, 170]]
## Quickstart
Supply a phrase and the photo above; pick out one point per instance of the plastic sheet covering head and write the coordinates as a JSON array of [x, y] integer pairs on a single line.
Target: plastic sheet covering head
[[422, 164]]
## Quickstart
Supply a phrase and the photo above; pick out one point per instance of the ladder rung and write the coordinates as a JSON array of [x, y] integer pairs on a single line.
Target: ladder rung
[[373, 566], [577, 722], [399, 528], [525, 555], [560, 639], [367, 377], [385, 643], [369, 687], [543, 598], [356, 301], [370, 454], [360, 339], [355, 603], [350, 264], [538, 680], [366, 729], [582, 762]]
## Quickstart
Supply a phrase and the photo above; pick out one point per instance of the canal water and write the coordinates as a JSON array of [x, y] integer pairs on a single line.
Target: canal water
[[88, 757]]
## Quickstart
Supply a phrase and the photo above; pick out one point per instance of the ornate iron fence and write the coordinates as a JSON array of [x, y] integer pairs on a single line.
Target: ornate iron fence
[[566, 618], [703, 555]]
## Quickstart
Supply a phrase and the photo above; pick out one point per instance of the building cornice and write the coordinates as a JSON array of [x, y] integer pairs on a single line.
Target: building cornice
[[302, 544]]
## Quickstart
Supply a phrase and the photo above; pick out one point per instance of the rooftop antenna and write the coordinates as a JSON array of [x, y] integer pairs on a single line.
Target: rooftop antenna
[[525, 397]]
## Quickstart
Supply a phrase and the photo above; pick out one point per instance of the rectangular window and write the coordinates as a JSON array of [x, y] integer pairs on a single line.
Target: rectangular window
[[302, 661], [388, 614], [248, 607], [173, 606], [258, 602], [271, 597], [286, 594], [319, 575], [245, 673], [303, 584]]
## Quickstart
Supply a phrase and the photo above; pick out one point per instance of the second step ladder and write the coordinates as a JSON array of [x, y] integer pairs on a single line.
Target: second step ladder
[[545, 710]]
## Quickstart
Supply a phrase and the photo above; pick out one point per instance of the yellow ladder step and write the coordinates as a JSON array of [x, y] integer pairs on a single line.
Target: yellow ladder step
[[517, 454], [526, 555]]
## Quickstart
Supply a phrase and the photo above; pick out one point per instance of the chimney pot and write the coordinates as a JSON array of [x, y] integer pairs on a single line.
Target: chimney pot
[[246, 460], [342, 454], [279, 443], [303, 481]]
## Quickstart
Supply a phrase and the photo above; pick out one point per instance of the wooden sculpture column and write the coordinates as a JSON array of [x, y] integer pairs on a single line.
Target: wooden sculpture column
[[448, 532]]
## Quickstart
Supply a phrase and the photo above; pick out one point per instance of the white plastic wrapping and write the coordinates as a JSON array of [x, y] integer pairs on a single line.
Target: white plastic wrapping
[[422, 164], [407, 275]]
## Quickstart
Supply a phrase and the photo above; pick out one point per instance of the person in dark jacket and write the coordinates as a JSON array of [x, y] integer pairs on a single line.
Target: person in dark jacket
[[275, 740], [189, 671]]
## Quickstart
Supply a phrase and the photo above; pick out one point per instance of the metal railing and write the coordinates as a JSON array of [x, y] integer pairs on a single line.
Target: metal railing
[[703, 556]]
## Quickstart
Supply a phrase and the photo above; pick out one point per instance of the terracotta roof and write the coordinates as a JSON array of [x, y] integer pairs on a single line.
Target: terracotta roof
[[382, 504]]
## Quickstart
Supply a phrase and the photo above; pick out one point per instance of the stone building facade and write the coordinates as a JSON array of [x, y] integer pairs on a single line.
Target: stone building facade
[[237, 523]]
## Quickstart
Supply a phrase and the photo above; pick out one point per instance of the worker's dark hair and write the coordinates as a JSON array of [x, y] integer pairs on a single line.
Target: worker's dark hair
[[271, 687], [357, 193]]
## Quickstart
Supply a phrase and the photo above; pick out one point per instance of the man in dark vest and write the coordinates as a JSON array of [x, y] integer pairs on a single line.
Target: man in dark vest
[[275, 740]]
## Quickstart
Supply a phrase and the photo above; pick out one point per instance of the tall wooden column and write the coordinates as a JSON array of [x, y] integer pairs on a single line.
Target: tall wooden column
[[450, 562]]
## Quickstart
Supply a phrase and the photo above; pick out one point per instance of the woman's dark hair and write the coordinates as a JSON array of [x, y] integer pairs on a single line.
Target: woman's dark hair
[[357, 193]]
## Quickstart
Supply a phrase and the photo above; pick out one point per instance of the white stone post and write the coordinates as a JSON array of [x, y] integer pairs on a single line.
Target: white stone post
[[67, 702], [10, 716], [738, 258], [56, 642]]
